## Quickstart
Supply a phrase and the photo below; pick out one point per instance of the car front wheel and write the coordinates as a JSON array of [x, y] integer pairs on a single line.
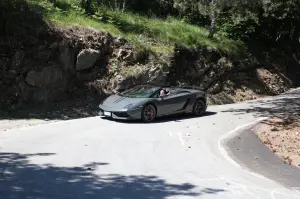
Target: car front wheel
[[148, 113], [199, 107]]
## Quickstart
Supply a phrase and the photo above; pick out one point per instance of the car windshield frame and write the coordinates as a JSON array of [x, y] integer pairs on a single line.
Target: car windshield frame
[[140, 91]]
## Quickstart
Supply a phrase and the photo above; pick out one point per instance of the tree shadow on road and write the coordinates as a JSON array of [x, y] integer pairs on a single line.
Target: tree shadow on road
[[285, 107], [19, 178]]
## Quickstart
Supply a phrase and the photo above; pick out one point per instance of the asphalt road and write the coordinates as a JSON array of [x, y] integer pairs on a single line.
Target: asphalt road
[[179, 157], [260, 159]]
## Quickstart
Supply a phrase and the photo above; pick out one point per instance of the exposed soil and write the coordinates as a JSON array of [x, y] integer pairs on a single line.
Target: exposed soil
[[283, 138], [12, 124], [29, 115]]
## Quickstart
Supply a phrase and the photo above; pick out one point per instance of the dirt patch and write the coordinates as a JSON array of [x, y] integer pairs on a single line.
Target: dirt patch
[[14, 124], [282, 136], [274, 80], [35, 114]]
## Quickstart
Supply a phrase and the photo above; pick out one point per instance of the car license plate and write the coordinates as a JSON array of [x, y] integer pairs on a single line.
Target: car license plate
[[107, 113]]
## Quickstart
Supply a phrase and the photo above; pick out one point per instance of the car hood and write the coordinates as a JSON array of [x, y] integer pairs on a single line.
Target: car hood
[[117, 101]]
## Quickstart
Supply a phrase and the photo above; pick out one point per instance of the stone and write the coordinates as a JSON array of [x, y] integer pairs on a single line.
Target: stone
[[156, 75], [120, 41], [54, 45], [120, 82], [33, 94], [43, 55], [3, 64], [87, 59], [107, 46], [143, 74], [211, 53], [67, 56], [47, 77], [242, 76], [17, 60], [125, 55], [86, 76], [8, 77], [214, 89]]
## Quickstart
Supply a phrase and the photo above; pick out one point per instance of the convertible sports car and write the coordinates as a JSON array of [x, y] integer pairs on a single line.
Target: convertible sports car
[[147, 102]]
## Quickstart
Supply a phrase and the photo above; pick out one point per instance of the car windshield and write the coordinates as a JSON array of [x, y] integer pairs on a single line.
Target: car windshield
[[142, 91]]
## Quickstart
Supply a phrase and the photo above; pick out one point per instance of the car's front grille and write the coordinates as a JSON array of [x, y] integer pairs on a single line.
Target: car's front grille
[[121, 114]]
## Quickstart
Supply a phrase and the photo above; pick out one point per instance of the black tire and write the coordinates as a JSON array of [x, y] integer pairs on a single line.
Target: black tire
[[199, 107], [148, 113]]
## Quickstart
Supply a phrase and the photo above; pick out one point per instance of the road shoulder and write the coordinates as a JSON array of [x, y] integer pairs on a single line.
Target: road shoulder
[[251, 153], [20, 123]]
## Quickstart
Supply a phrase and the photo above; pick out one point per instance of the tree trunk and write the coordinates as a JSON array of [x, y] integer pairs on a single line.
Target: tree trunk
[[88, 6], [212, 28], [212, 20], [82, 3], [124, 5]]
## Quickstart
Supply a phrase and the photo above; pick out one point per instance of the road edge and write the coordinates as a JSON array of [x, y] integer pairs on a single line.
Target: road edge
[[233, 133]]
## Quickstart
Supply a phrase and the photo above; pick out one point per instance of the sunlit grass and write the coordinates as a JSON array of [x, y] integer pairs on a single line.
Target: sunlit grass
[[156, 35]]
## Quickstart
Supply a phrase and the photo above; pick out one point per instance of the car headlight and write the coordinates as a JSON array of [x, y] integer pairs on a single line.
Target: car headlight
[[128, 106]]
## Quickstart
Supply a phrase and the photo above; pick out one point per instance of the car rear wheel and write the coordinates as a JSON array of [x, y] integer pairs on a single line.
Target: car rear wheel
[[199, 107], [148, 113]]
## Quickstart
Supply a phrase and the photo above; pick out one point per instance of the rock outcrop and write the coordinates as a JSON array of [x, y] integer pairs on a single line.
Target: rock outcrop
[[142, 75], [67, 61], [66, 55], [47, 77], [87, 58]]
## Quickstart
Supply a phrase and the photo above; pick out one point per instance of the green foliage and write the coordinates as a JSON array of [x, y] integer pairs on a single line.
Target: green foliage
[[284, 17], [158, 24], [239, 24], [157, 35], [15, 16], [151, 8], [229, 15]]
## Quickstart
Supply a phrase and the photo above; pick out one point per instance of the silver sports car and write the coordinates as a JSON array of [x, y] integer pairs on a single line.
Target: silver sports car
[[147, 102]]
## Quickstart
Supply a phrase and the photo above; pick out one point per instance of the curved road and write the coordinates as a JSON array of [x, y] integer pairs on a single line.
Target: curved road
[[184, 158]]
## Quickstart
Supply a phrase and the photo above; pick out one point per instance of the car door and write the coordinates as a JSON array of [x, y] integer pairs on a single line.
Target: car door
[[172, 104]]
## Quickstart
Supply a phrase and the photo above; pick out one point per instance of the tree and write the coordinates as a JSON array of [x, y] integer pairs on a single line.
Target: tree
[[208, 8], [284, 17], [87, 5], [240, 10]]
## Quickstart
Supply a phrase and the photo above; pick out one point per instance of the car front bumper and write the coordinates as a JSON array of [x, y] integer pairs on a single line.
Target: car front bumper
[[119, 114]]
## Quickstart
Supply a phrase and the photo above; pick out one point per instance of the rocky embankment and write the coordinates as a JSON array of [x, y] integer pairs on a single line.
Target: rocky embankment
[[74, 63]]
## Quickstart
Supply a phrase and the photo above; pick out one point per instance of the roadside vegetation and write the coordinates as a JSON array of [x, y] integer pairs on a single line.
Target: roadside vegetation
[[158, 24], [153, 33]]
